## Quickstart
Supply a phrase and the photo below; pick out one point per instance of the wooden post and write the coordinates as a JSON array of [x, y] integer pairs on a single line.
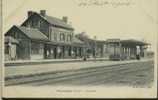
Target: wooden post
[[120, 47]]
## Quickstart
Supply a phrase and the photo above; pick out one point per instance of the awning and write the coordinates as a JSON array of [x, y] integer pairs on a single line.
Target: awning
[[64, 44], [132, 42]]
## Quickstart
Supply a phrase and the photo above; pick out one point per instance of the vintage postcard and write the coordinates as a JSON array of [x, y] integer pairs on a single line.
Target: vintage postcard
[[79, 48]]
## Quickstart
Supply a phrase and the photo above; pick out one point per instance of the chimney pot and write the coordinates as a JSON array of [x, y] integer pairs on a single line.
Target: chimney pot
[[65, 19], [29, 13], [43, 13]]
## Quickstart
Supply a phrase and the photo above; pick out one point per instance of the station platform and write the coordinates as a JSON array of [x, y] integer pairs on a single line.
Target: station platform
[[46, 61], [36, 69]]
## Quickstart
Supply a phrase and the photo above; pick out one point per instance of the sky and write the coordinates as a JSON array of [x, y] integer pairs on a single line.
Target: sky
[[124, 19]]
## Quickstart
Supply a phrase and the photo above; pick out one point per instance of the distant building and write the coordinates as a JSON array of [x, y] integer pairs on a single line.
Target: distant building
[[94, 48], [125, 49]]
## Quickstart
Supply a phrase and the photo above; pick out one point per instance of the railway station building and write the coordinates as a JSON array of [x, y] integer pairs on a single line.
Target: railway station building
[[42, 37], [45, 37]]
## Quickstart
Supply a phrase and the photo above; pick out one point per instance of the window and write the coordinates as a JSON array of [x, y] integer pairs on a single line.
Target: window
[[30, 24], [62, 37], [39, 23], [50, 33], [6, 49], [36, 48], [69, 38], [55, 36], [16, 35], [34, 23]]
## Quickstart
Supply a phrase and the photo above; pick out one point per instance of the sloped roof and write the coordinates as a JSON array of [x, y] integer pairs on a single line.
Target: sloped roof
[[89, 40], [35, 34], [52, 20], [56, 21], [76, 40], [32, 33]]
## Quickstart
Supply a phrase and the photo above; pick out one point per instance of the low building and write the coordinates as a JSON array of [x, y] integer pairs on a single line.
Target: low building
[[125, 49], [31, 42], [94, 48]]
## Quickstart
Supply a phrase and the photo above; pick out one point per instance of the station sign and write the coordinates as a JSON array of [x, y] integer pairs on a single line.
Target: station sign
[[113, 40]]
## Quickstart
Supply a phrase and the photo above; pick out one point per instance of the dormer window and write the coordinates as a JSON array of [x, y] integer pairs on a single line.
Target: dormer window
[[29, 24], [39, 23]]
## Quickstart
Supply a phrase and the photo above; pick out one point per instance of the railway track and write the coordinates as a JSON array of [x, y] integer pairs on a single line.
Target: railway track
[[92, 76]]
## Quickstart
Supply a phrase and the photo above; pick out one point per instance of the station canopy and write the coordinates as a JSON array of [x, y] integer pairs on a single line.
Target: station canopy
[[132, 42], [129, 42]]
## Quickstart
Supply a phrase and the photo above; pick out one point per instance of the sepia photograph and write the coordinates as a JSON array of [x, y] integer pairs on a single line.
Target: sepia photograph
[[79, 48]]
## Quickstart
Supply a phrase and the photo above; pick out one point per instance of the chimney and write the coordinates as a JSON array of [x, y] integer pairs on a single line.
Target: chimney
[[29, 13], [65, 19], [43, 13]]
